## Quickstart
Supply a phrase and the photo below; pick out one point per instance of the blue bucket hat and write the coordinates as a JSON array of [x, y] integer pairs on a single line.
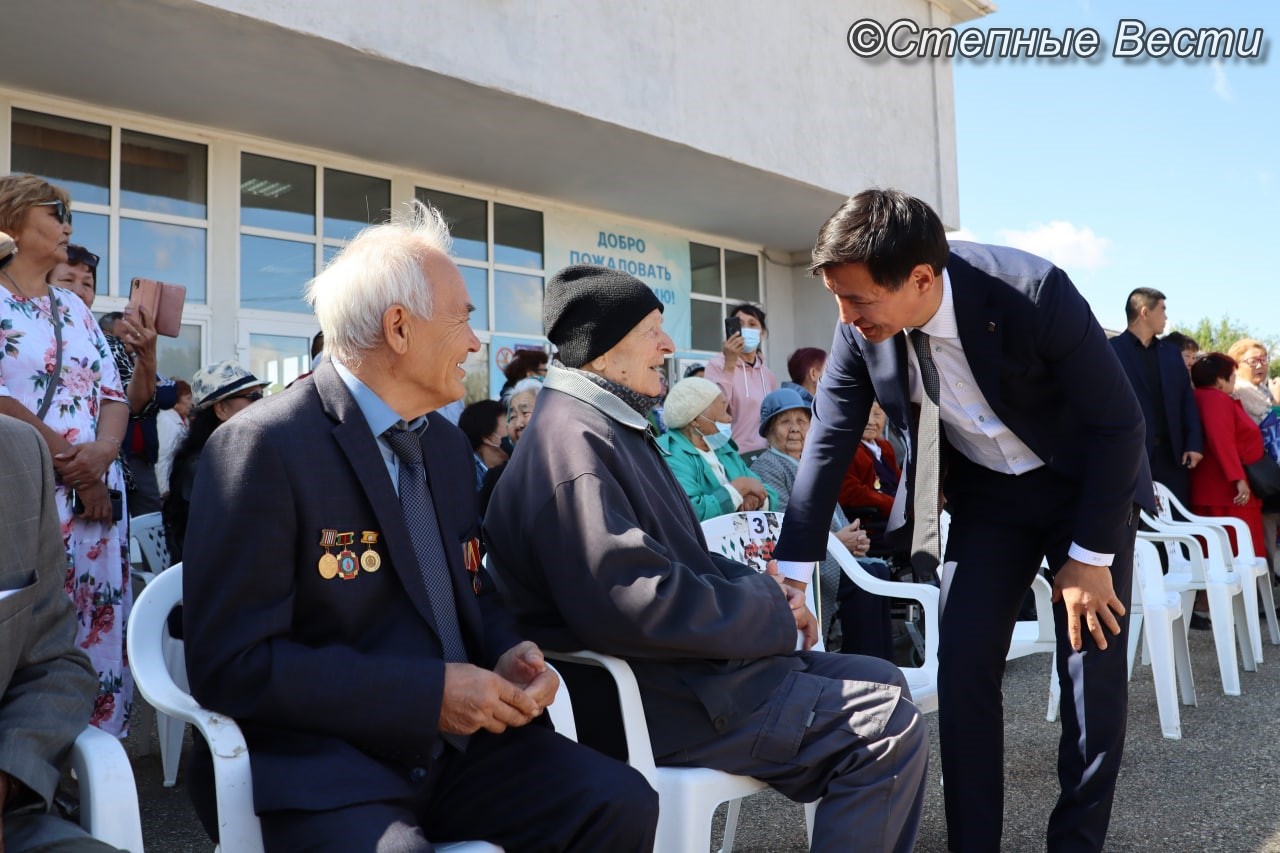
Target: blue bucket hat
[[777, 402]]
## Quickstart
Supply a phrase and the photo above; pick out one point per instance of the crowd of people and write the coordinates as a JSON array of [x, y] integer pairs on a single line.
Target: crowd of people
[[1209, 416], [345, 526]]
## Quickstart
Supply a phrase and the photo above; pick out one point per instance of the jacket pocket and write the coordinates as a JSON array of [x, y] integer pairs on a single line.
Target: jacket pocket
[[17, 594]]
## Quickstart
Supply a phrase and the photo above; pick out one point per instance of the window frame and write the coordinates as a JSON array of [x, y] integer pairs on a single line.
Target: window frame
[[723, 299], [317, 240], [490, 265]]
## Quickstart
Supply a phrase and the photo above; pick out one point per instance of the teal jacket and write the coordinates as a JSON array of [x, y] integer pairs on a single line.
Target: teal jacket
[[709, 498]]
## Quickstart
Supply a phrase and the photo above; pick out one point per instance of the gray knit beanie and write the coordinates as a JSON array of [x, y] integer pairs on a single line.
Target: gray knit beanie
[[587, 309]]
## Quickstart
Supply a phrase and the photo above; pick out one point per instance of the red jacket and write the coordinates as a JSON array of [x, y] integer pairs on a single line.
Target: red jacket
[[859, 487], [1231, 441]]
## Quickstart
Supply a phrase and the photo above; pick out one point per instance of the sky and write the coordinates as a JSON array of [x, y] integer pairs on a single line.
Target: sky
[[1162, 173]]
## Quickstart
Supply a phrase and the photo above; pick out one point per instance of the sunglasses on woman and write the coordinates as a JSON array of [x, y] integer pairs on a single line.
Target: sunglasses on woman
[[60, 211]]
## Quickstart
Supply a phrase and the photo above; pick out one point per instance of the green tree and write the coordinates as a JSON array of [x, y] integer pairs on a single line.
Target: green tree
[[1219, 336]]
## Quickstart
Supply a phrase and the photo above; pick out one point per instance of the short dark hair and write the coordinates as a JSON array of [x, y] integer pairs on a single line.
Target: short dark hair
[[1141, 297], [889, 231], [751, 311], [317, 344], [1182, 342], [524, 362], [480, 419], [802, 361], [81, 255], [1209, 367], [107, 322]]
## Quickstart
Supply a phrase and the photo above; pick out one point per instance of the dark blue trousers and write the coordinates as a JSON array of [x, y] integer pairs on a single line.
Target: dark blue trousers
[[527, 789], [1002, 526]]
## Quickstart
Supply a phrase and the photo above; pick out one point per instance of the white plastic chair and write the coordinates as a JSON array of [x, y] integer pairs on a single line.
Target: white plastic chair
[[238, 828], [1165, 631], [148, 530], [688, 796], [923, 679], [1243, 558], [147, 533], [108, 795], [1189, 572]]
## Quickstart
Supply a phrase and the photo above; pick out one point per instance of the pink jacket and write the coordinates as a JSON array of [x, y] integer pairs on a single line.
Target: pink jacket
[[744, 389]]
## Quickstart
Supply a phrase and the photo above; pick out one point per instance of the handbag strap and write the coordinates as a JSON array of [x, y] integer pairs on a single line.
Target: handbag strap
[[56, 377]]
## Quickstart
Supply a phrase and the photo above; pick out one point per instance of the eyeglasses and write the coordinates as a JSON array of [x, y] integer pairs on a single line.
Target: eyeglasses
[[252, 396], [60, 211], [1257, 361]]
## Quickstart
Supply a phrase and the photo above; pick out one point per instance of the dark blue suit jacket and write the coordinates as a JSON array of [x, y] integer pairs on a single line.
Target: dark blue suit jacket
[[336, 683], [1180, 411], [1043, 364]]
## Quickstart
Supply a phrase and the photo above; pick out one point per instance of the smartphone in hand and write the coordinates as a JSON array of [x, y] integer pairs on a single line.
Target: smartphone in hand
[[732, 326], [164, 302]]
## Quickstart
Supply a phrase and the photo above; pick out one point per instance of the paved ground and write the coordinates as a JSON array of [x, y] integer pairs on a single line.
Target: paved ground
[[1217, 789]]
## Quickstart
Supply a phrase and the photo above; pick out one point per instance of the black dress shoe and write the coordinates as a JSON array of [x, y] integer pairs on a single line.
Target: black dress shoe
[[1200, 623]]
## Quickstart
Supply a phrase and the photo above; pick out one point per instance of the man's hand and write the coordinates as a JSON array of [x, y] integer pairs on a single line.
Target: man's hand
[[84, 463], [794, 591], [806, 624], [853, 537], [1191, 459], [524, 666], [1088, 594], [137, 328], [476, 698]]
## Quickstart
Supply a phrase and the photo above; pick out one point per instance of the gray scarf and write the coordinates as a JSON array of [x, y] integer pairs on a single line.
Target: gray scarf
[[642, 403]]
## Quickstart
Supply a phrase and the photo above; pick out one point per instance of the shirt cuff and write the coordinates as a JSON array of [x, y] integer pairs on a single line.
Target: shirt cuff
[[735, 497], [1092, 558], [792, 571]]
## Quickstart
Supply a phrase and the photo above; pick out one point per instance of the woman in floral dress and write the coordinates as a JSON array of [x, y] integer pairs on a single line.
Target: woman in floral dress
[[83, 425]]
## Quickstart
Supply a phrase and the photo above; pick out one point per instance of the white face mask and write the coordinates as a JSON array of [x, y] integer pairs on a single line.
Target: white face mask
[[750, 340], [719, 438]]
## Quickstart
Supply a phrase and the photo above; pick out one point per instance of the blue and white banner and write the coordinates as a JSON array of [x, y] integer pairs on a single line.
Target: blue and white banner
[[659, 259]]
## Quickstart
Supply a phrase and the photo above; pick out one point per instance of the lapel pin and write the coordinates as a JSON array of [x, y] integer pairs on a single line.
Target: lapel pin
[[991, 326]]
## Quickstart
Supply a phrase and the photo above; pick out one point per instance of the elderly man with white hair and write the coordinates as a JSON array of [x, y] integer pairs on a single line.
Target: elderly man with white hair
[[335, 607]]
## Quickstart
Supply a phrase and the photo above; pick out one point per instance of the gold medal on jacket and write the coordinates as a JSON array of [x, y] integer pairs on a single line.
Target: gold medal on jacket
[[328, 566], [369, 560]]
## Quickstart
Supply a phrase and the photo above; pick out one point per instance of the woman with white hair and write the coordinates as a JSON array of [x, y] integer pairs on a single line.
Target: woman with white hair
[[520, 400], [704, 457]]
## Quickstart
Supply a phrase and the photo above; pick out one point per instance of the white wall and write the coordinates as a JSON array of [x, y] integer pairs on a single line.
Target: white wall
[[764, 83]]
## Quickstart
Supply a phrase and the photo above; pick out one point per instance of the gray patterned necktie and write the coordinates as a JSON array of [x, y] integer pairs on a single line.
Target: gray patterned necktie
[[420, 517], [926, 540]]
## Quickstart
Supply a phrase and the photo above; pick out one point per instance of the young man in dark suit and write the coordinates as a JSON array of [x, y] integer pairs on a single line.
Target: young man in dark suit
[[1175, 441], [1030, 428], [334, 605]]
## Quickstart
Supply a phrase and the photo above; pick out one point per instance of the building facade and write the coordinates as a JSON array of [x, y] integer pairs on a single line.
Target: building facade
[[233, 146]]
